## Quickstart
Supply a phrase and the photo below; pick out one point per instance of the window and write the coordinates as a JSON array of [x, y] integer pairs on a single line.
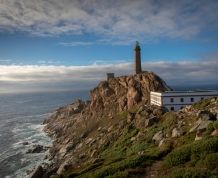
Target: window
[[192, 99], [171, 100], [172, 108], [182, 100]]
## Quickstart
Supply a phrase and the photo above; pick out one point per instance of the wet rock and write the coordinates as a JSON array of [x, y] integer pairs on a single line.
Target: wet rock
[[25, 143], [37, 149], [37, 173]]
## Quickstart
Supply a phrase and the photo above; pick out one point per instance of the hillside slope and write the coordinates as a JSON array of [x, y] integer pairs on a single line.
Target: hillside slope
[[118, 134]]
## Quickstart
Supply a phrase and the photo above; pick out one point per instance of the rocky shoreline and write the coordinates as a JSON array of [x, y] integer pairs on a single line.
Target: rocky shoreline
[[118, 125]]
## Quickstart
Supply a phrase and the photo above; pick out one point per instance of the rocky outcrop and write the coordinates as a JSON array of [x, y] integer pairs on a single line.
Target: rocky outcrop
[[177, 132], [119, 113], [37, 173], [72, 126], [123, 93], [37, 149]]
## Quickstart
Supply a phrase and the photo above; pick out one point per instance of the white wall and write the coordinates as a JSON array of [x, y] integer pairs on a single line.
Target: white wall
[[156, 99], [164, 99], [177, 104]]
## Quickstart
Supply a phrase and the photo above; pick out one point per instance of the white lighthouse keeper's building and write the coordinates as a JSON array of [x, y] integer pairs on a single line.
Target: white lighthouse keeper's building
[[175, 100]]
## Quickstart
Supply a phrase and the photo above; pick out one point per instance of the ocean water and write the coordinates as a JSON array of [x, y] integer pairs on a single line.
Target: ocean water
[[21, 116]]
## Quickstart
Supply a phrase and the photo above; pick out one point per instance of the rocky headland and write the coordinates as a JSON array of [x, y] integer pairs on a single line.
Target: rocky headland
[[118, 134]]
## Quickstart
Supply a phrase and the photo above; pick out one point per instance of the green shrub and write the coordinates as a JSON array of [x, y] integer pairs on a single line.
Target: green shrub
[[116, 167], [123, 174], [204, 146], [194, 151], [211, 161], [210, 129], [186, 139], [191, 173], [169, 122], [215, 124], [169, 119], [136, 147], [117, 150], [179, 156]]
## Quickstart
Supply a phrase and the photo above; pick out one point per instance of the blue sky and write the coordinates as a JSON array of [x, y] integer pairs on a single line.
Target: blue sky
[[40, 39], [22, 48]]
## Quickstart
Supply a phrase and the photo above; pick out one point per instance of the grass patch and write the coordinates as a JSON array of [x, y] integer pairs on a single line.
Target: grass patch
[[117, 150], [136, 147], [116, 168], [209, 162], [194, 151], [215, 124], [169, 122], [185, 139], [191, 173], [122, 174]]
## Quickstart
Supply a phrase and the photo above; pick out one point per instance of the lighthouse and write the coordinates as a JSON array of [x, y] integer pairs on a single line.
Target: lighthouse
[[137, 59]]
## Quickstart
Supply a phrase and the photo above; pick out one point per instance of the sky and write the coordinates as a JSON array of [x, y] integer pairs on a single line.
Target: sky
[[53, 45]]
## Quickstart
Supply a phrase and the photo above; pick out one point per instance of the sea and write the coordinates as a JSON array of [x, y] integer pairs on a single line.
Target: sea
[[21, 118]]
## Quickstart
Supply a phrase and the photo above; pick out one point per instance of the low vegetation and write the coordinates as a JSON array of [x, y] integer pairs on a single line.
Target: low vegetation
[[134, 153]]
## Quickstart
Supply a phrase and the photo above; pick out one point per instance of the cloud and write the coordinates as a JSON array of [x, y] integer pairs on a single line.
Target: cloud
[[77, 43], [119, 21], [51, 78]]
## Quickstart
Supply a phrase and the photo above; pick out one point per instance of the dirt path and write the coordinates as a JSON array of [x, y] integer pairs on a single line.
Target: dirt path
[[154, 170]]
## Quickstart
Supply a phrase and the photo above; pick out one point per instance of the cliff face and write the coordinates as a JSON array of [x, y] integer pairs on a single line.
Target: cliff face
[[118, 134], [73, 125], [122, 93]]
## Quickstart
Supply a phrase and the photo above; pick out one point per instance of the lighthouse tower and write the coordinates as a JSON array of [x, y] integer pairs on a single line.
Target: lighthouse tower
[[137, 60]]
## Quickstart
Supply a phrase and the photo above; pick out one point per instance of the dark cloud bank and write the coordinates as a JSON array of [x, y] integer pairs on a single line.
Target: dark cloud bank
[[55, 78], [114, 21]]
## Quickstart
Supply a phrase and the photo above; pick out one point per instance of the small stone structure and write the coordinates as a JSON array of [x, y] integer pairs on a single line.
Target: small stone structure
[[110, 75]]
